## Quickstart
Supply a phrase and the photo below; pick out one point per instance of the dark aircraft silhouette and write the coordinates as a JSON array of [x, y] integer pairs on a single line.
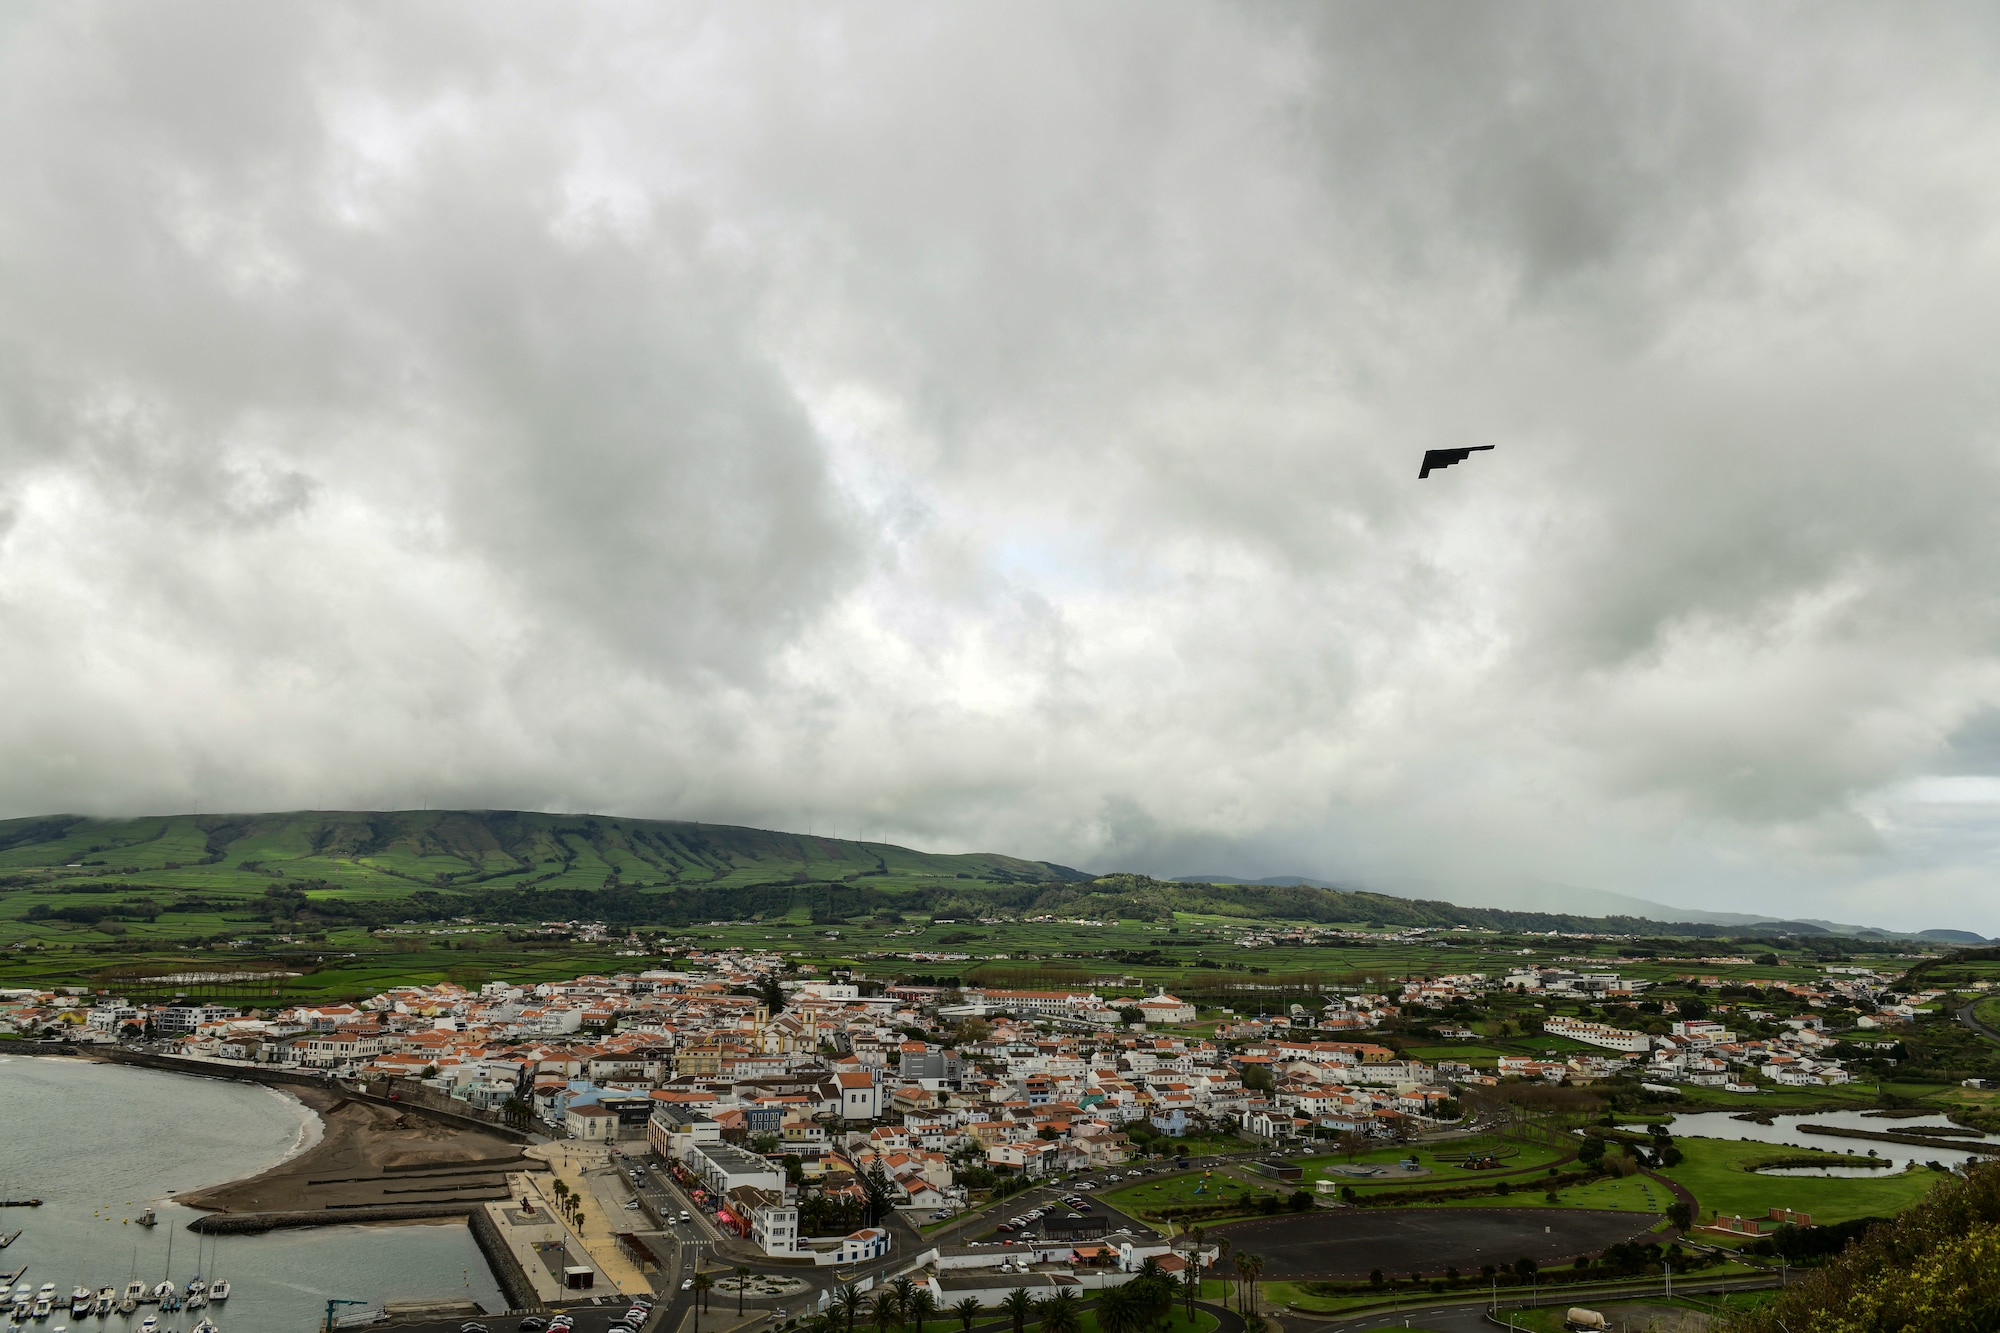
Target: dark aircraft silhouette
[[1446, 457]]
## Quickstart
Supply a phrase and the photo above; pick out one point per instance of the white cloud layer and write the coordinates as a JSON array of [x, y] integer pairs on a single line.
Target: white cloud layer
[[996, 426]]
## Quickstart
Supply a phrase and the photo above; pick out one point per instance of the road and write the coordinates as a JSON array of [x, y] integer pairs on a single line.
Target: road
[[1966, 1017], [1464, 1316]]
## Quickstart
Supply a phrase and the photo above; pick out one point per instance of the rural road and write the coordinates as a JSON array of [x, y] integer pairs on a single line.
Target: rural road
[[1965, 1016]]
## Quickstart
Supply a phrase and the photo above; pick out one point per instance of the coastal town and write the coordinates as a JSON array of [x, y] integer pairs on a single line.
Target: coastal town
[[784, 1126], [805, 1105]]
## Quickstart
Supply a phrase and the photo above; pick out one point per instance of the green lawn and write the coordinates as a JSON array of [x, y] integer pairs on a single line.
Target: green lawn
[[1151, 1198], [1714, 1170], [1633, 1194]]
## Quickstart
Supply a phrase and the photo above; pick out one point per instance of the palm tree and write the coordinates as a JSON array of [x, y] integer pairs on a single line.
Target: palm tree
[[1150, 1270], [1222, 1248], [1242, 1277], [1191, 1278], [847, 1304], [967, 1310], [1060, 1313], [702, 1282], [742, 1281], [1256, 1264], [922, 1305], [1117, 1311], [1019, 1305], [904, 1289], [883, 1310]]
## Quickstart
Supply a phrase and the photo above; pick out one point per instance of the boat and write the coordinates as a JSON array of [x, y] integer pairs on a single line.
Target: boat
[[107, 1300], [135, 1291], [205, 1326], [219, 1292], [195, 1300], [43, 1307], [148, 1219], [150, 1324], [46, 1292]]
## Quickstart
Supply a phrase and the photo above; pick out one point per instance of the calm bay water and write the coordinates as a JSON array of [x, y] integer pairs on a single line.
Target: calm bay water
[[99, 1143]]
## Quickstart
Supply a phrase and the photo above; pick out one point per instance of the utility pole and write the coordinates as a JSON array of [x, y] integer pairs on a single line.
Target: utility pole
[[1669, 1269]]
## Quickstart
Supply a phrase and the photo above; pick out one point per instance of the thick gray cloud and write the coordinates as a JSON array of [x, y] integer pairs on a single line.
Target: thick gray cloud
[[997, 426]]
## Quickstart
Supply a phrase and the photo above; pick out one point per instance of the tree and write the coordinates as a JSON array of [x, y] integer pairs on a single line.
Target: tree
[[1222, 1248], [1019, 1306], [903, 1289], [883, 1310], [772, 994], [967, 1310], [1061, 1313], [876, 1185], [1679, 1215], [847, 1304], [742, 1281], [921, 1306], [1118, 1311], [702, 1283]]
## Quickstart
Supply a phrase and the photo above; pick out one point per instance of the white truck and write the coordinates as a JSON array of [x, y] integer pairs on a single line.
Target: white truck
[[1580, 1318]]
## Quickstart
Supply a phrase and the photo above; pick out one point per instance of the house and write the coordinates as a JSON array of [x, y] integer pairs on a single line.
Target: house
[[867, 1243], [1164, 1008], [591, 1123], [860, 1096], [774, 1223]]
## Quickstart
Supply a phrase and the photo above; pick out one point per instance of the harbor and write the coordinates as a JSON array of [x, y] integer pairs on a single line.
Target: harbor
[[111, 1249]]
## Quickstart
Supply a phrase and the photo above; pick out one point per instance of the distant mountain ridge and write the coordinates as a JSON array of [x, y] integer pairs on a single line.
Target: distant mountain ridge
[[222, 872], [1567, 899]]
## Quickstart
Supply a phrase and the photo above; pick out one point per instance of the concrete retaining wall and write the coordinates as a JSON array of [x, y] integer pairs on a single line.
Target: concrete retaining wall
[[252, 1223], [507, 1271]]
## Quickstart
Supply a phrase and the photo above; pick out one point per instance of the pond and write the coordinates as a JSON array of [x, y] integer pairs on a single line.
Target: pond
[[1788, 1131]]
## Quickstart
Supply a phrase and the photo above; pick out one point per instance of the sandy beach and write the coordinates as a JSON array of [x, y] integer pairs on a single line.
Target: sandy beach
[[369, 1156]]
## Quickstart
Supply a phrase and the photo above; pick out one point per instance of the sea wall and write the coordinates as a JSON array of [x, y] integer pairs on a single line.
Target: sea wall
[[426, 1105], [243, 1224], [507, 1271]]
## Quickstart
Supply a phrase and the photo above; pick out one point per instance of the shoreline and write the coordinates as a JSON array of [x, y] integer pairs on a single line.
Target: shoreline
[[369, 1156]]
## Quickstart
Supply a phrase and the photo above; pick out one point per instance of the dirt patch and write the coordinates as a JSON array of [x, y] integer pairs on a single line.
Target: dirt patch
[[365, 1157]]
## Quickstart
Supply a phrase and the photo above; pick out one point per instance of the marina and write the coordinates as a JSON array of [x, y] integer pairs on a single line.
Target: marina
[[111, 1251]]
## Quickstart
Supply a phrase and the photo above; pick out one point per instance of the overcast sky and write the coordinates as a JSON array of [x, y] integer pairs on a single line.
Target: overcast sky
[[996, 426]]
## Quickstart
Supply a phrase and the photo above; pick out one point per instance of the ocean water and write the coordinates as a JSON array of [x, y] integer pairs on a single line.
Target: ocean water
[[99, 1143]]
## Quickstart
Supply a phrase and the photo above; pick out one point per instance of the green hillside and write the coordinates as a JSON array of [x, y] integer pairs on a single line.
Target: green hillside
[[159, 874], [205, 879]]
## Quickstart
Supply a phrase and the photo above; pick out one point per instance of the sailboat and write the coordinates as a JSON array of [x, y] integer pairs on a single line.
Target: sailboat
[[196, 1288], [218, 1290], [164, 1291]]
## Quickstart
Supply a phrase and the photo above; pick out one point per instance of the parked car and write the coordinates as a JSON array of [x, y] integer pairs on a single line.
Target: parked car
[[473, 1327], [687, 1284], [534, 1323]]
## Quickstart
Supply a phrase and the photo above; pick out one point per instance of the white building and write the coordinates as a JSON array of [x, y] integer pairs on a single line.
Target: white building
[[1596, 1034]]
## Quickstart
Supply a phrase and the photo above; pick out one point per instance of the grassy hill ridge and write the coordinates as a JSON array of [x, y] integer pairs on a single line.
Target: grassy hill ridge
[[219, 875]]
